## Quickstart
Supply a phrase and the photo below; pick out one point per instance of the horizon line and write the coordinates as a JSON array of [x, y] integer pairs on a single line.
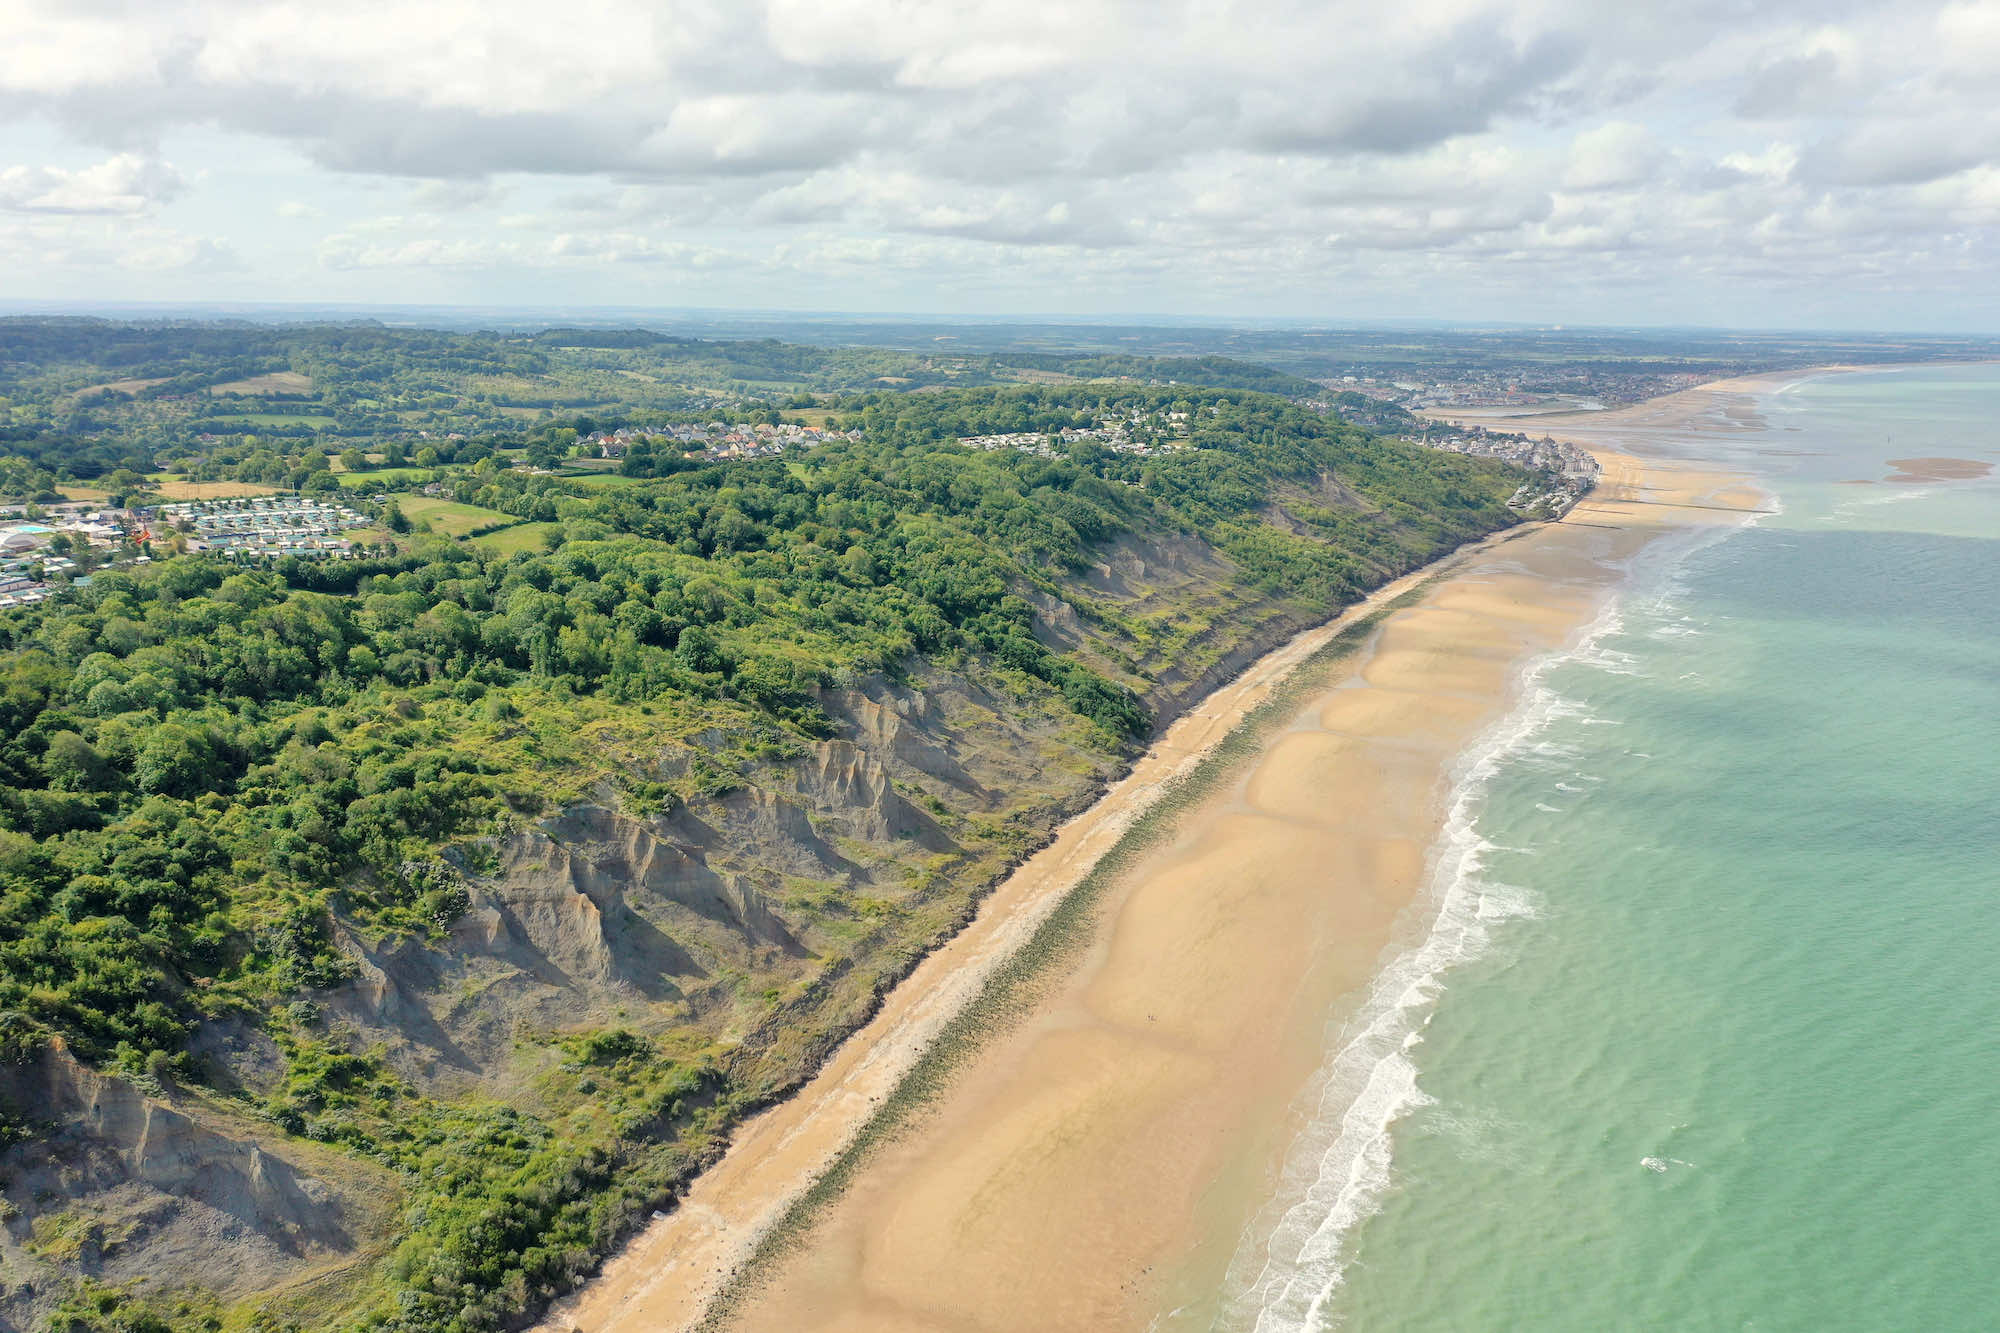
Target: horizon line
[[27, 307]]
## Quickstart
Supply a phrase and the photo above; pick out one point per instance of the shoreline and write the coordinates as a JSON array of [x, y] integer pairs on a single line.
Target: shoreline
[[1293, 1255], [1680, 409], [670, 1275], [778, 1155], [1101, 1157]]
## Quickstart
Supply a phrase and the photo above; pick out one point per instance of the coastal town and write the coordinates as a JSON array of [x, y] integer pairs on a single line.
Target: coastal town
[[1140, 434], [1507, 391], [42, 547], [717, 441], [1565, 472]]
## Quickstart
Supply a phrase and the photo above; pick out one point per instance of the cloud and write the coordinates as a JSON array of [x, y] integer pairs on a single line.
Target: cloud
[[1172, 149], [126, 183], [621, 87], [1619, 153], [387, 245], [1792, 86], [451, 196], [46, 245], [1901, 152]]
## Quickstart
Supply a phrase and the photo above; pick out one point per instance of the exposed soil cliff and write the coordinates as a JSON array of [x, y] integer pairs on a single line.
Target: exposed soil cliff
[[745, 924], [129, 1185]]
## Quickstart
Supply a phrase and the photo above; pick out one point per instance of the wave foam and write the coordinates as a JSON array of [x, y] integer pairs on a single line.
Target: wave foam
[[1339, 1168], [1293, 1257]]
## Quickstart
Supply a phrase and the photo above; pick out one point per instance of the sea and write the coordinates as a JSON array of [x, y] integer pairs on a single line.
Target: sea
[[1702, 1031]]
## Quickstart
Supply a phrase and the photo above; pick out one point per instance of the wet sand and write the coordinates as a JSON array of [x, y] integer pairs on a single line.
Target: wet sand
[[668, 1275], [1720, 406], [1093, 1164], [1937, 469]]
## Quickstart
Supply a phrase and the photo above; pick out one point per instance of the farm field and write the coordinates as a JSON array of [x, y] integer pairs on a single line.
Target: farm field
[[452, 518], [277, 382], [381, 476], [520, 537], [177, 488]]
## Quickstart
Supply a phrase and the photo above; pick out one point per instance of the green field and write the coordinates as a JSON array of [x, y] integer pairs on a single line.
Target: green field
[[452, 518], [520, 537], [382, 476]]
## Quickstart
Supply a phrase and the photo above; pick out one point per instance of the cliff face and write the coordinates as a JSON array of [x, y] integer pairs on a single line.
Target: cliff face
[[812, 870], [751, 925], [129, 1185], [1198, 621]]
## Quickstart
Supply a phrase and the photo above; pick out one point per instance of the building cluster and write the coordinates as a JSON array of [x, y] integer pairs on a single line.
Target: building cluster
[[1566, 472], [1118, 436], [1502, 390], [717, 439], [25, 580], [1543, 455], [265, 526], [31, 558]]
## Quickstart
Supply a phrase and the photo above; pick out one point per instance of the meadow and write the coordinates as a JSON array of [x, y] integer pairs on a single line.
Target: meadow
[[452, 518]]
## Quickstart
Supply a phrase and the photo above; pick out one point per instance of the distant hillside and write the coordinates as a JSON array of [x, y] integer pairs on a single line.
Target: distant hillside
[[1214, 372]]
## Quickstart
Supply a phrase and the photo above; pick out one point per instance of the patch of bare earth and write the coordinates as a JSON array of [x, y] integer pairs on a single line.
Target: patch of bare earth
[[278, 382]]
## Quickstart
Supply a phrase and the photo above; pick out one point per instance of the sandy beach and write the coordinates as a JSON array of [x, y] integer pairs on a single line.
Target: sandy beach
[[1093, 1163], [1656, 426]]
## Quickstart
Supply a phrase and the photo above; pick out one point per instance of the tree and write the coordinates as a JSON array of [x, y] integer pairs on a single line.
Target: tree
[[174, 761], [72, 763], [394, 519]]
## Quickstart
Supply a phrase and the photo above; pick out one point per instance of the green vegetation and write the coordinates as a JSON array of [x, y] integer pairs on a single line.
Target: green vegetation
[[521, 537], [391, 478], [82, 398], [452, 518], [239, 419], [1013, 988], [1214, 372], [217, 783]]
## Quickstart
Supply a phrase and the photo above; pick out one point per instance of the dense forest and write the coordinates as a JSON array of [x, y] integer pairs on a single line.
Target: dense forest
[[218, 782]]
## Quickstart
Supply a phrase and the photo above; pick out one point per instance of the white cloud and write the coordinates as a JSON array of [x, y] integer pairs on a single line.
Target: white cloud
[[42, 245], [127, 183], [1613, 154], [1183, 151]]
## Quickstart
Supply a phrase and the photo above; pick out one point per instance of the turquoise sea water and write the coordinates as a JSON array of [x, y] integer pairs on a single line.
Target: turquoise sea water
[[1710, 1036]]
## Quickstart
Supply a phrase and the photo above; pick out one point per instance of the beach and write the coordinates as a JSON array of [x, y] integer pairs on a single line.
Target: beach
[[1714, 1055], [1094, 1162]]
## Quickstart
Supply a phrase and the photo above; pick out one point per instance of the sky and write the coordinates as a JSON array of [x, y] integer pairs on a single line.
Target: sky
[[1747, 163]]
